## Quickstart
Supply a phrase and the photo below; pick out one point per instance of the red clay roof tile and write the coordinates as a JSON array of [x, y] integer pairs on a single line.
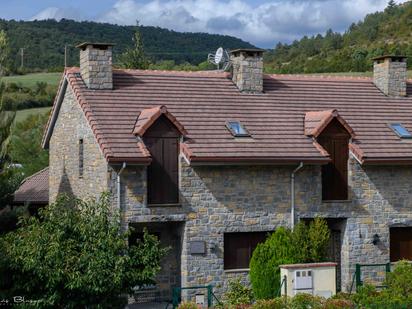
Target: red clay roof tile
[[202, 102], [34, 189]]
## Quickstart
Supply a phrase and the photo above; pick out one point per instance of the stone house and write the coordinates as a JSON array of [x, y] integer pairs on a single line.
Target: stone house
[[213, 161]]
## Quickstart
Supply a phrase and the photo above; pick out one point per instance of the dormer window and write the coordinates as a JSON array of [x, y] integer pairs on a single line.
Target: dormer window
[[400, 130], [237, 129], [161, 133]]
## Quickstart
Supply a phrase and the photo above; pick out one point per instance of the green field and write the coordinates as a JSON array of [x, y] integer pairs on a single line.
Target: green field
[[24, 113], [30, 80]]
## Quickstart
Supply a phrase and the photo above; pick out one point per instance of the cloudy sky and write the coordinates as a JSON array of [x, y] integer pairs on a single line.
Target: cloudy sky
[[261, 22]]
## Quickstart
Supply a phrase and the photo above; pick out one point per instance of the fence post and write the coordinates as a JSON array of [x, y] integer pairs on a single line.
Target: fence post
[[286, 285], [175, 298], [209, 296], [358, 276], [388, 267]]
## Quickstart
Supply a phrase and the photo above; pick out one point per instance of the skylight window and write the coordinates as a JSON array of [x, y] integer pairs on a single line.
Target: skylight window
[[237, 129], [400, 130]]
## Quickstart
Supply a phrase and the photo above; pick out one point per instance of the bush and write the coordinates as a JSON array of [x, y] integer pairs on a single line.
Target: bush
[[307, 301], [264, 265], [187, 305], [276, 303], [237, 294], [306, 244], [399, 281], [75, 255], [336, 303]]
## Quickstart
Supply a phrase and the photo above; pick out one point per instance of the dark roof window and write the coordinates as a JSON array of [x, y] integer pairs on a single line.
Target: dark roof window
[[237, 129], [400, 130]]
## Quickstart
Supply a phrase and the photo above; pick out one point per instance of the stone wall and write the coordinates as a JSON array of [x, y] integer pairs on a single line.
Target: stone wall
[[247, 71], [216, 199], [390, 77], [379, 197], [70, 127]]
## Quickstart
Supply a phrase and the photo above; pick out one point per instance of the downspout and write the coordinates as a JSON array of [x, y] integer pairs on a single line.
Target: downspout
[[118, 185], [292, 195]]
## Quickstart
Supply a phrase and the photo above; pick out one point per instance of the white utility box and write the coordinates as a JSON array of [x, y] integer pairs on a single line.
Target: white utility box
[[313, 278]]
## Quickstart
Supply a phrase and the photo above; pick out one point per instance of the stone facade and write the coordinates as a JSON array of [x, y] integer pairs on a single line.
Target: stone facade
[[219, 199], [215, 200], [64, 176], [247, 70], [96, 66], [389, 75]]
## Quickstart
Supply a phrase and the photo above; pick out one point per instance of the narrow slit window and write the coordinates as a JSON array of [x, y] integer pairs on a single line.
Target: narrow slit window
[[237, 129], [400, 130], [81, 157]]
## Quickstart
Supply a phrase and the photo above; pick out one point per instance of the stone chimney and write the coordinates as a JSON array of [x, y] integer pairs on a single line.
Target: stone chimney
[[247, 69], [389, 75], [96, 65]]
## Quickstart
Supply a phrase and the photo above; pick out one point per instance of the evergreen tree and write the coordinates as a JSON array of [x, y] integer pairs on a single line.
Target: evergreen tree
[[135, 58], [4, 52], [6, 122]]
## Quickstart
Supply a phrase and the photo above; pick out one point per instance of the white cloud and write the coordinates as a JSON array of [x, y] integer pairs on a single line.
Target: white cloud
[[263, 25]]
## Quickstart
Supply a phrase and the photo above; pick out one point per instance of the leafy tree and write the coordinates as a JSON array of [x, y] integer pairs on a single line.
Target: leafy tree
[[9, 178], [25, 145], [4, 52], [6, 122], [75, 255], [135, 58]]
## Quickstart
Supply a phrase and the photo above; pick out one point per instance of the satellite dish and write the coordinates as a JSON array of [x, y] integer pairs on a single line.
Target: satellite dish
[[220, 57]]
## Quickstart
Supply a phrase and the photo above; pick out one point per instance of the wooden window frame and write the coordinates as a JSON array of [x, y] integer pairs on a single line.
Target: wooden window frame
[[247, 239], [396, 239]]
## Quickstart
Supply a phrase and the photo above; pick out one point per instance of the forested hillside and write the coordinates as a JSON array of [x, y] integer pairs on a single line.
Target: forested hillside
[[44, 41], [388, 32]]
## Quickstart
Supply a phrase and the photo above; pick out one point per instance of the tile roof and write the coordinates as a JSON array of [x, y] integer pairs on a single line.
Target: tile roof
[[149, 115], [34, 189], [203, 102], [316, 122]]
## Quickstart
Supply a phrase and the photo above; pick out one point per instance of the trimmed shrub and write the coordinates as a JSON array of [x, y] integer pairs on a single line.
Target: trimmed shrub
[[264, 265], [237, 294], [318, 238]]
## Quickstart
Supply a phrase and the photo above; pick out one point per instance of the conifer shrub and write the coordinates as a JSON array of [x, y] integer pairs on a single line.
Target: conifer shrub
[[264, 266], [305, 244]]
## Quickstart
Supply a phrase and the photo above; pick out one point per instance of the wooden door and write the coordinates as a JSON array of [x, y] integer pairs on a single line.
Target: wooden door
[[400, 243]]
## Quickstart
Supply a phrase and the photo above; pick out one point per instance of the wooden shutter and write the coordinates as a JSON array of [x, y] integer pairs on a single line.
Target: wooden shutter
[[400, 243], [335, 174], [162, 173], [239, 247], [162, 141]]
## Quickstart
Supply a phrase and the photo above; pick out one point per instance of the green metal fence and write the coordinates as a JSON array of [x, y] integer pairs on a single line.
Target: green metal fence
[[374, 270]]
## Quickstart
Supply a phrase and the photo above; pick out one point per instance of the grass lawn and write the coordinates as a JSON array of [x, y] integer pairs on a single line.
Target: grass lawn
[[30, 80], [24, 113]]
